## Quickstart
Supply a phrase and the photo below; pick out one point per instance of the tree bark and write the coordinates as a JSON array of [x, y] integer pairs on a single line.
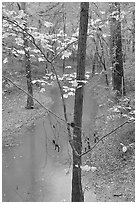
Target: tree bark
[[116, 50], [133, 32], [30, 102], [77, 192], [64, 31], [94, 63]]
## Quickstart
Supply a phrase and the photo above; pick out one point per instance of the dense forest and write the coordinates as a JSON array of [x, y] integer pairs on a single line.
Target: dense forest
[[68, 101]]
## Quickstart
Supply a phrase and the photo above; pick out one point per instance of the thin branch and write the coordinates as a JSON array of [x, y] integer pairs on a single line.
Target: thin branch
[[49, 111], [52, 7], [65, 111], [19, 7], [106, 136], [34, 43], [65, 48]]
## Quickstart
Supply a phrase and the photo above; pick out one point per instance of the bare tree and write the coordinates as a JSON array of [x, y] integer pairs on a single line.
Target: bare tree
[[77, 192]]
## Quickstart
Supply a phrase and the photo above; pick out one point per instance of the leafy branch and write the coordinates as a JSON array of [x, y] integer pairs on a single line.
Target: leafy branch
[[53, 70], [34, 42]]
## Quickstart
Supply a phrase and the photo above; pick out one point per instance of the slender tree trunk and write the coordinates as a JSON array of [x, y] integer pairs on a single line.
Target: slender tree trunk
[[77, 192], [116, 50], [64, 31], [102, 60], [94, 63], [133, 32], [30, 102]]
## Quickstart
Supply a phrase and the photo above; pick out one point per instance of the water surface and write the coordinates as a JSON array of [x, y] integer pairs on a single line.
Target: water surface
[[34, 171]]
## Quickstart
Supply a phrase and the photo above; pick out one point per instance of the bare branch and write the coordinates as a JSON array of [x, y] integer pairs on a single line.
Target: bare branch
[[49, 111], [106, 136], [64, 110]]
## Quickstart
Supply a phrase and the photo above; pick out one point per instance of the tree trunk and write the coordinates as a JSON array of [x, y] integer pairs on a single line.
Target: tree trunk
[[102, 59], [133, 32], [94, 63], [30, 102], [116, 50], [77, 192], [64, 31]]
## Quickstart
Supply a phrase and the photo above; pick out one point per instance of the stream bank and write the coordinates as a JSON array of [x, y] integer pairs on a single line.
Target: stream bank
[[33, 170], [114, 178]]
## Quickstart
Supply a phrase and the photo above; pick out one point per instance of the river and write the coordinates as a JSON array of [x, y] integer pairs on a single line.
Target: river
[[34, 171]]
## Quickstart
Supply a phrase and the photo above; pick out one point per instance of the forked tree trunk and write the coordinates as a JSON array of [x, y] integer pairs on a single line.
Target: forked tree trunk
[[30, 102], [116, 49], [77, 192]]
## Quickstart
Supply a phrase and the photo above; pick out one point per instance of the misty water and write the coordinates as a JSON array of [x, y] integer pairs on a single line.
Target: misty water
[[33, 171]]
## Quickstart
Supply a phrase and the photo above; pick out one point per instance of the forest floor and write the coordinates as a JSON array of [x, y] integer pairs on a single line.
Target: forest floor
[[115, 176], [14, 113], [114, 179]]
